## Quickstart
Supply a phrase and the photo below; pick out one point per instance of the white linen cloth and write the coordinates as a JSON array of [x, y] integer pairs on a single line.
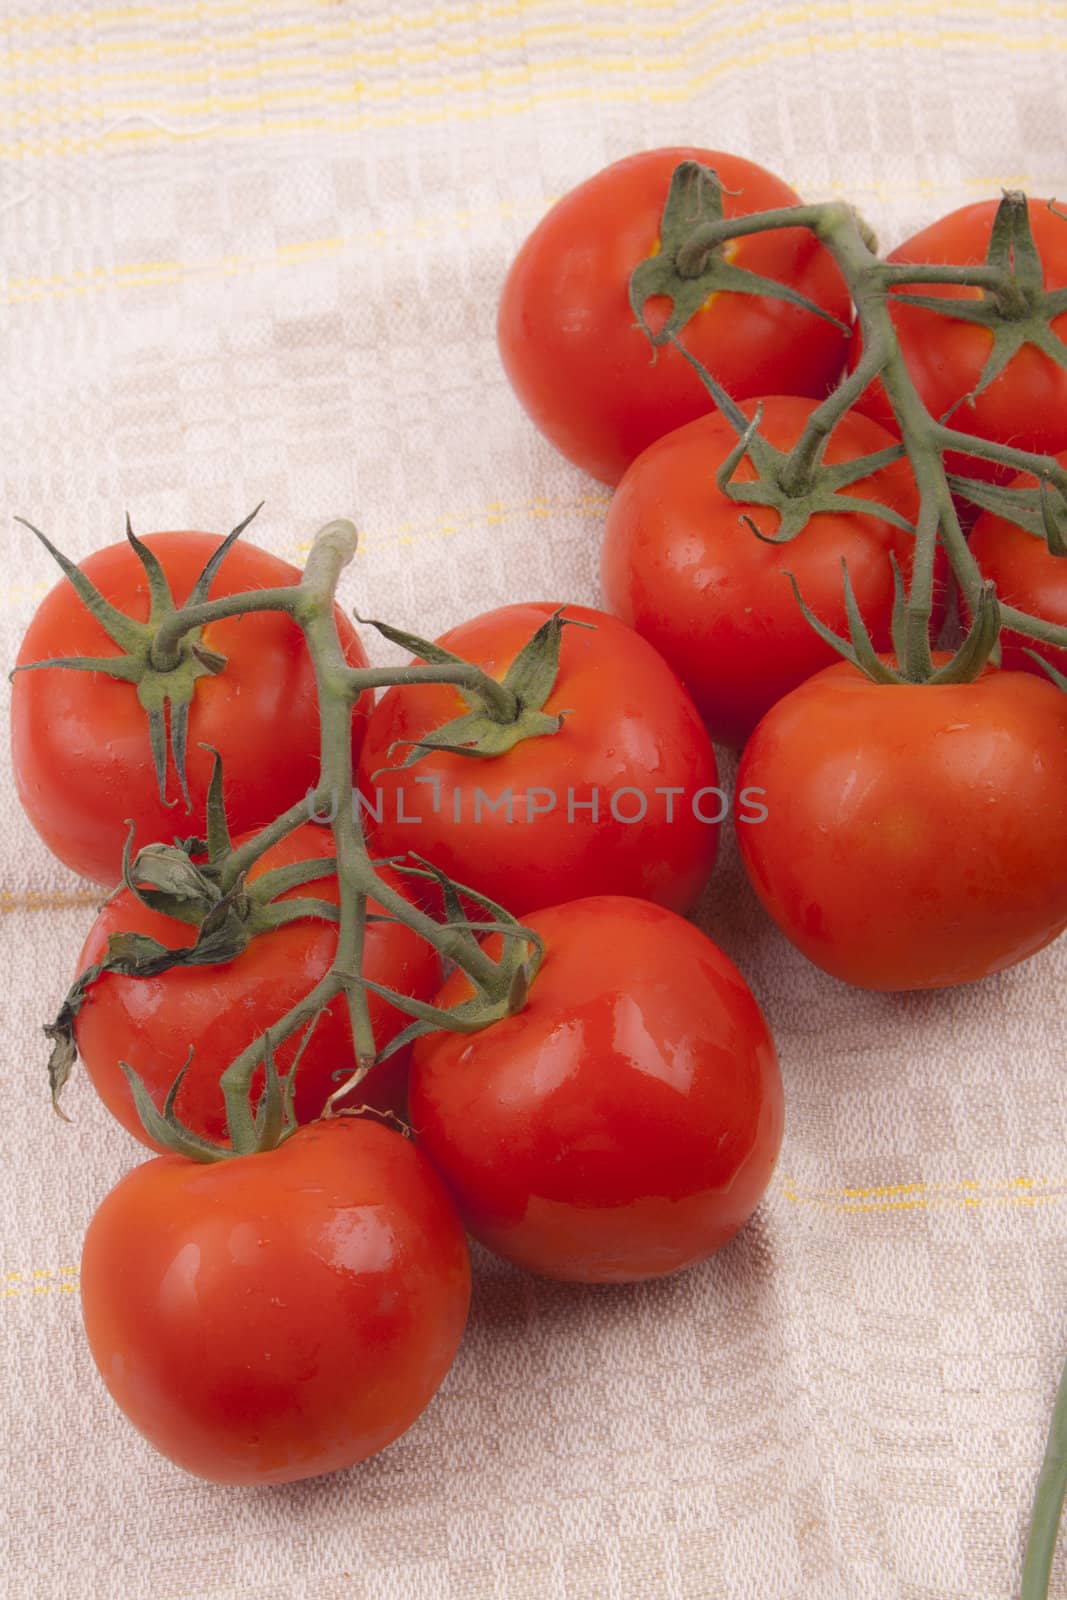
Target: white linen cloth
[[252, 249]]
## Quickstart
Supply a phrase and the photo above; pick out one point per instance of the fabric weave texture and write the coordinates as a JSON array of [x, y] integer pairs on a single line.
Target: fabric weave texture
[[251, 250]]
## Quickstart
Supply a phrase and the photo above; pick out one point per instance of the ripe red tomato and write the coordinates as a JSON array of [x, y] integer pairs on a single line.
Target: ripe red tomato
[[626, 1123], [681, 567], [631, 744], [151, 1022], [584, 371], [1027, 575], [80, 739], [916, 835], [277, 1316], [1026, 405]]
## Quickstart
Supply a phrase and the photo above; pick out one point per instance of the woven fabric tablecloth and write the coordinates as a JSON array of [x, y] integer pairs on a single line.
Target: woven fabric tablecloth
[[251, 249]]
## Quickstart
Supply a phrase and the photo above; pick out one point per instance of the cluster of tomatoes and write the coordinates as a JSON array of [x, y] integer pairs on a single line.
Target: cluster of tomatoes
[[269, 1316]]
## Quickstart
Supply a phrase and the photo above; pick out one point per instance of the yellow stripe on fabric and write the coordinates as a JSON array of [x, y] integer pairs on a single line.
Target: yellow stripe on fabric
[[22, 289], [490, 79], [593, 503], [406, 56], [1026, 1193], [464, 16], [62, 900], [967, 1194], [42, 1281]]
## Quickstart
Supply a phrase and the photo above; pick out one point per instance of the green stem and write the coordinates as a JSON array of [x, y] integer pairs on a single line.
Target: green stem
[[1054, 633], [312, 606], [925, 438], [1048, 1503], [1006, 455], [840, 232], [502, 704], [236, 1081], [693, 254], [246, 854], [806, 454], [972, 277], [164, 653]]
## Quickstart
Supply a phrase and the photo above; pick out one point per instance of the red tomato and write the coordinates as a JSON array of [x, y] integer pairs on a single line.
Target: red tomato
[[151, 1022], [1027, 575], [585, 372], [1026, 405], [80, 739], [277, 1316], [626, 1123], [915, 835], [681, 567], [631, 735]]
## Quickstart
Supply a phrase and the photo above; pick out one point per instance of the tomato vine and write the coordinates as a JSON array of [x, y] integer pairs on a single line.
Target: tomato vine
[[1013, 306]]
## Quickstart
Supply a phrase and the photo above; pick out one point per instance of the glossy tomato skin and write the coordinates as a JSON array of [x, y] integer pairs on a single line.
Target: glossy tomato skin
[[680, 566], [916, 835], [1026, 404], [626, 1123], [1027, 575], [274, 1317], [629, 726], [585, 373], [218, 1010], [80, 740]]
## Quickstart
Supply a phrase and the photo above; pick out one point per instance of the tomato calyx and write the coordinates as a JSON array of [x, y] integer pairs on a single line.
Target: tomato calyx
[[265, 1125], [502, 712], [270, 1124], [969, 661], [165, 682], [1041, 512], [207, 882], [796, 484], [1013, 302], [199, 882], [690, 263], [1014, 305]]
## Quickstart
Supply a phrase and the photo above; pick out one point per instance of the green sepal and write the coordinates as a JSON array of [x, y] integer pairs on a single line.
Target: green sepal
[[160, 599], [60, 1034], [871, 665], [694, 199], [482, 732], [1054, 673], [219, 843], [770, 488], [533, 673], [1019, 314], [164, 1126], [978, 643], [1041, 511], [425, 650], [274, 1117], [866, 655], [165, 692], [164, 879], [122, 630], [273, 1122], [471, 1015], [202, 587], [476, 735], [898, 623], [114, 666]]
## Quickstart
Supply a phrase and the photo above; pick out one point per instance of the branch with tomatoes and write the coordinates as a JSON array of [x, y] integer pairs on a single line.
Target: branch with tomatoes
[[463, 905]]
